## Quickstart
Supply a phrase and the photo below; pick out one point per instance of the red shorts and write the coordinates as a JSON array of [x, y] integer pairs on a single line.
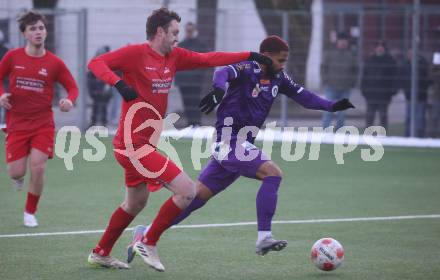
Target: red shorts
[[154, 162], [20, 143]]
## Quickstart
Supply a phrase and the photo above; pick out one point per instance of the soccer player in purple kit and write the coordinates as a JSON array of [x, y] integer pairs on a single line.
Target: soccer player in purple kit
[[242, 111]]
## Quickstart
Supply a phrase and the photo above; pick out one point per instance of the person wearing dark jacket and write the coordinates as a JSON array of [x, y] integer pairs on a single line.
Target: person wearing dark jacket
[[190, 82], [339, 70], [422, 92], [378, 84], [100, 93]]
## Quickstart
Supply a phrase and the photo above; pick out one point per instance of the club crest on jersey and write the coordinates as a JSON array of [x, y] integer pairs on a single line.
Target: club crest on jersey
[[43, 72], [275, 91], [256, 91]]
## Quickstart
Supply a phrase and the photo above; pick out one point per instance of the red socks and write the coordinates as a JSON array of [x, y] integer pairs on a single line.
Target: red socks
[[164, 219], [31, 203], [119, 221]]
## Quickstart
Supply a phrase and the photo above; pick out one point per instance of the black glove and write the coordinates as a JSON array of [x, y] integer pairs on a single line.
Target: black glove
[[126, 91], [342, 105], [260, 58], [210, 101]]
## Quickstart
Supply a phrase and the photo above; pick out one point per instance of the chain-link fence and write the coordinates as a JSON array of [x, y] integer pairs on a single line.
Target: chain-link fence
[[374, 70]]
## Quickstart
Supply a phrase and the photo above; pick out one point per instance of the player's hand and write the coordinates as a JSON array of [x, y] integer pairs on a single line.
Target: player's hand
[[342, 105], [4, 101], [210, 101], [126, 91], [260, 58], [65, 105]]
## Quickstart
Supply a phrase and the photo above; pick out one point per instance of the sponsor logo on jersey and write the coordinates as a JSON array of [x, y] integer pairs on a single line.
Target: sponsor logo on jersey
[[161, 86], [256, 91], [242, 65], [150, 68], [30, 84], [166, 70], [43, 72], [275, 91], [19, 67], [265, 82]]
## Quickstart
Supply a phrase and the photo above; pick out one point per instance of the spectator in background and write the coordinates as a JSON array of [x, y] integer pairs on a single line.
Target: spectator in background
[[190, 82], [3, 51], [3, 48], [434, 119], [378, 84], [114, 109], [422, 92], [101, 93], [339, 74]]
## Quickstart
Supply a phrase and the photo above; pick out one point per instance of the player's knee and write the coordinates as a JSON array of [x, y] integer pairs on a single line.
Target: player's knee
[[16, 173], [277, 172], [190, 193], [270, 169], [134, 207]]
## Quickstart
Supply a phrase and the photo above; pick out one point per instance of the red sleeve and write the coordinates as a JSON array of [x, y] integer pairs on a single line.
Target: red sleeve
[[66, 79], [188, 60], [122, 59], [4, 69]]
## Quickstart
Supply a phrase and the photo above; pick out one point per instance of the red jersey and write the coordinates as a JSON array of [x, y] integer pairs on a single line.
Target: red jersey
[[150, 75], [31, 84]]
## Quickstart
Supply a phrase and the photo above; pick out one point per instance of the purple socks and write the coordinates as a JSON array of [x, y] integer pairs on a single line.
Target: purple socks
[[267, 202]]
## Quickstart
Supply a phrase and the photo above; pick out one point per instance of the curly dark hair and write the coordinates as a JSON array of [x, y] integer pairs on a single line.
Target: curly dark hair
[[273, 44], [160, 18], [30, 18]]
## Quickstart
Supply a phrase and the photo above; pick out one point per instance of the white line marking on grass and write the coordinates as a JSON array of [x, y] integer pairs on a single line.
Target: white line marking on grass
[[311, 221]]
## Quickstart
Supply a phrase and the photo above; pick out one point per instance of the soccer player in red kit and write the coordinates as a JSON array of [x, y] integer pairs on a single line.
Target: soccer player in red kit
[[147, 73], [30, 129]]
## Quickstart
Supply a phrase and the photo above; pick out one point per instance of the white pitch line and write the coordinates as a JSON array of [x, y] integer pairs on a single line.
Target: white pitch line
[[311, 221]]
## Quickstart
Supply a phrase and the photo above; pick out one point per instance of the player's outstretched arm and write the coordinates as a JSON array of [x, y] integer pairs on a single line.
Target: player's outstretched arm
[[191, 60], [310, 100]]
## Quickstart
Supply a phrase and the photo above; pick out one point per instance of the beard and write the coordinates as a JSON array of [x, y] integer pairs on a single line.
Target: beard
[[271, 72]]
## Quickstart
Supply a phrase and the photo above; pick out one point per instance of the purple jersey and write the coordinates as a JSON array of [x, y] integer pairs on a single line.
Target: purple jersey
[[251, 94]]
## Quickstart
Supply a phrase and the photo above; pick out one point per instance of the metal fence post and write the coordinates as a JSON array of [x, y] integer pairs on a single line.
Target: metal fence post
[[285, 32], [82, 65], [414, 65]]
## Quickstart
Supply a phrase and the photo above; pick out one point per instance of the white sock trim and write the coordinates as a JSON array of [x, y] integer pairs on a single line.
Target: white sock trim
[[263, 234]]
